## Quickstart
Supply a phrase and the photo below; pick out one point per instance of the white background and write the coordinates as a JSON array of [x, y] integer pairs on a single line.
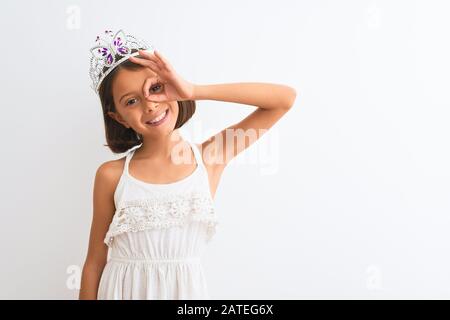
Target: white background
[[349, 193]]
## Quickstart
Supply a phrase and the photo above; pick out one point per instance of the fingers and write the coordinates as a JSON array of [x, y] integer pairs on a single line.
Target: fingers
[[152, 56], [157, 57], [163, 60], [146, 63], [148, 84], [149, 54]]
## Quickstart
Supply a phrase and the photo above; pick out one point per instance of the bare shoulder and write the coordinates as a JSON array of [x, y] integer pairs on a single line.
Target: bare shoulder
[[106, 179], [110, 171]]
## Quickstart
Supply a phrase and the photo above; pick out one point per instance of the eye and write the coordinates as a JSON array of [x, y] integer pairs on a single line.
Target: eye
[[129, 101], [158, 85]]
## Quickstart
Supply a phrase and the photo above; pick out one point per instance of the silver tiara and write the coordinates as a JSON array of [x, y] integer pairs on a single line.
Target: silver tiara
[[104, 54]]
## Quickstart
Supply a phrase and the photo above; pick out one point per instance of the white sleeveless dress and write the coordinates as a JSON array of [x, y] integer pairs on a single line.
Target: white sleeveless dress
[[157, 237]]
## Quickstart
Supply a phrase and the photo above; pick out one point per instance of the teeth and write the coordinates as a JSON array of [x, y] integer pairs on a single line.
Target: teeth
[[159, 118]]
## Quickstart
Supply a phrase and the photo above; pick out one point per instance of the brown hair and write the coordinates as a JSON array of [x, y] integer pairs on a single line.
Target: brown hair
[[120, 138]]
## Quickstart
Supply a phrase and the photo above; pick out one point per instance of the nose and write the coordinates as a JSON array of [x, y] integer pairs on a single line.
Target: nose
[[150, 106]]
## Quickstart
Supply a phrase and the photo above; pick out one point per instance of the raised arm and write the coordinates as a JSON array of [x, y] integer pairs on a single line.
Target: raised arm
[[272, 100]]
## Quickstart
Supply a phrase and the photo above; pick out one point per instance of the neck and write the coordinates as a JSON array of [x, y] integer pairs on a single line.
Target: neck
[[159, 147]]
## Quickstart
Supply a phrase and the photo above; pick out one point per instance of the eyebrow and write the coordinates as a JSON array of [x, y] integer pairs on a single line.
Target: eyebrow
[[126, 94]]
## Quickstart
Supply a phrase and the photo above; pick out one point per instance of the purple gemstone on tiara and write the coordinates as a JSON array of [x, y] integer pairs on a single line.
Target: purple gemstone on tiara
[[123, 50], [109, 58]]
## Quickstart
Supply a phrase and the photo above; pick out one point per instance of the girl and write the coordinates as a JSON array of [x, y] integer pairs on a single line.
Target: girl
[[153, 212]]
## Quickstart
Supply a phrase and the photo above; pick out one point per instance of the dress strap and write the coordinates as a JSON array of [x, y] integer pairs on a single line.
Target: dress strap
[[130, 154]]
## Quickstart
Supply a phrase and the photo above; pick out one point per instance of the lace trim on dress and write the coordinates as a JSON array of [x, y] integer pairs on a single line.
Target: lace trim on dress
[[162, 211]]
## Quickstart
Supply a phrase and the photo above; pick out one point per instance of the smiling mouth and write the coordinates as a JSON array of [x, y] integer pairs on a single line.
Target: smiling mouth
[[159, 119]]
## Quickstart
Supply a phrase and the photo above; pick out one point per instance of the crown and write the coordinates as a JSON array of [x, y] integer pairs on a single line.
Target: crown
[[108, 48]]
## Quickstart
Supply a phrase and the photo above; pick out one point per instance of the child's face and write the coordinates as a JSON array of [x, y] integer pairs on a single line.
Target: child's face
[[134, 110]]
